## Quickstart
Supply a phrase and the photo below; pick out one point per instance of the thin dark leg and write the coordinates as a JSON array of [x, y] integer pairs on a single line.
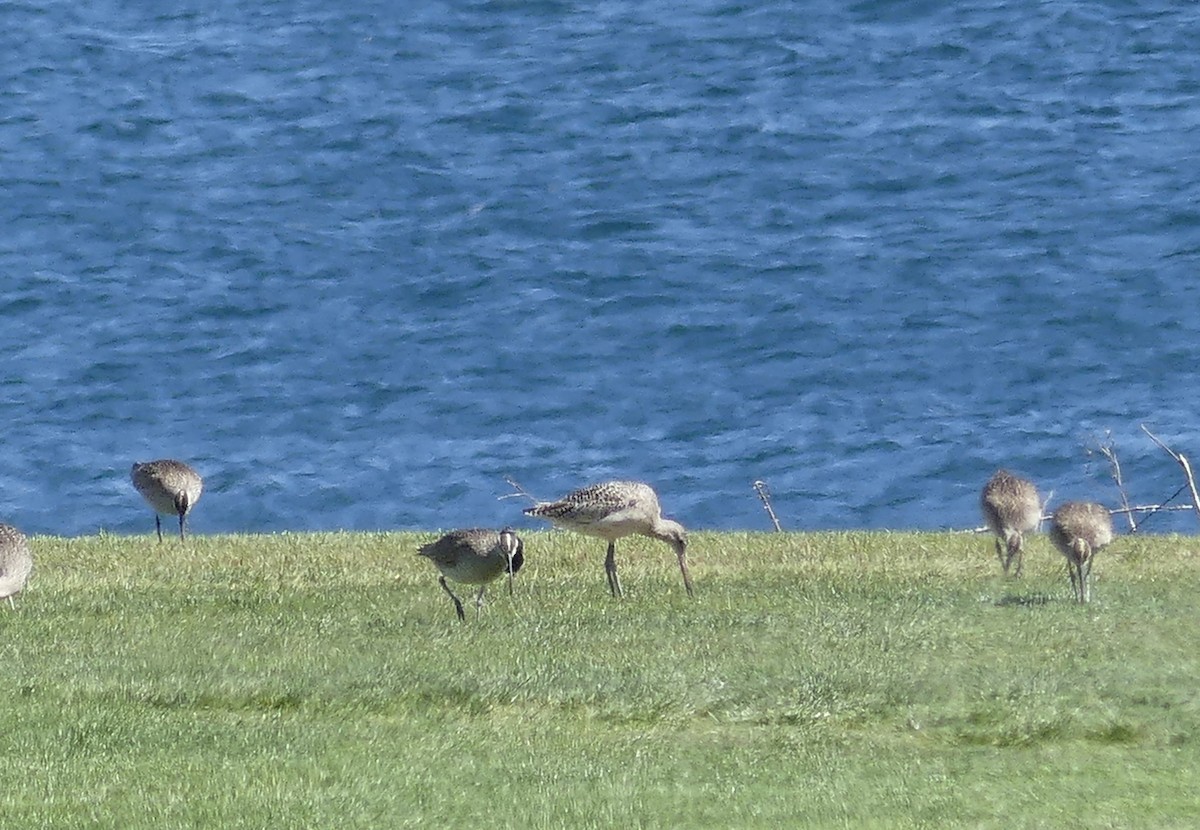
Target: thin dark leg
[[1000, 555], [610, 570], [158, 526], [181, 507], [1014, 554], [1077, 580], [457, 603]]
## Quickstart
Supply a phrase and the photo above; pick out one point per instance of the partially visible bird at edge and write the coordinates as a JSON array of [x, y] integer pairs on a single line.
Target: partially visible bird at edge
[[16, 563]]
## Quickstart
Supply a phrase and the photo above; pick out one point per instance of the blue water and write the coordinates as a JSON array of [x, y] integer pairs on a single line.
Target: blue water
[[358, 263]]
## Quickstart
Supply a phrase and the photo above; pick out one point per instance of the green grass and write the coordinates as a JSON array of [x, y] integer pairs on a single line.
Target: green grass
[[818, 680]]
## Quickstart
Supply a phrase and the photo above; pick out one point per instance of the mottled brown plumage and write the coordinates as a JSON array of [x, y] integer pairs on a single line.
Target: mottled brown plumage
[[16, 562], [172, 488], [1011, 508], [475, 557], [1079, 530], [611, 511]]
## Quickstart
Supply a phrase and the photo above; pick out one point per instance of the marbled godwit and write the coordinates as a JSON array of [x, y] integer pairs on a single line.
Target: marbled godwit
[[1079, 530], [475, 557], [613, 510], [16, 562], [1011, 508], [171, 487]]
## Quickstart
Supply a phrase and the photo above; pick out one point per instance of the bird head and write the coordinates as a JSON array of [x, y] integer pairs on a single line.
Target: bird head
[[674, 535], [514, 550]]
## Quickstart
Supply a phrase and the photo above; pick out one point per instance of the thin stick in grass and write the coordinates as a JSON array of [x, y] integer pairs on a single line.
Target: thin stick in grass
[[760, 487]]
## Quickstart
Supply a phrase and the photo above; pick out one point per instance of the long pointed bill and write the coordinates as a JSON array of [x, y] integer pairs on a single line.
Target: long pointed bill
[[687, 579]]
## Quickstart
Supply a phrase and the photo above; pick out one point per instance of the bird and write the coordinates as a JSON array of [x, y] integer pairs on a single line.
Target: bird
[[1011, 508], [16, 561], [475, 557], [612, 510], [171, 487], [1079, 530]]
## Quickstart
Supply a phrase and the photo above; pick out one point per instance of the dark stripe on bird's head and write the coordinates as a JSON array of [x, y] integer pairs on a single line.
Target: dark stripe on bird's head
[[517, 558]]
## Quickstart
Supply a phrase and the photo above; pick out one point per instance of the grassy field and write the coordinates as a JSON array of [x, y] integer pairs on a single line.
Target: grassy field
[[818, 680]]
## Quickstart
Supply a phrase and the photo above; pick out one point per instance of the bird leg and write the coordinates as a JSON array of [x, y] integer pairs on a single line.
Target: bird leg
[[1014, 552], [181, 507], [479, 600], [457, 602], [610, 570], [1000, 555], [158, 526]]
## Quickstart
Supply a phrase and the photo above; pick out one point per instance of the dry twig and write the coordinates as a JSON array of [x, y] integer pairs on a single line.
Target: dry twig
[[1108, 449], [760, 487], [521, 492], [1182, 461]]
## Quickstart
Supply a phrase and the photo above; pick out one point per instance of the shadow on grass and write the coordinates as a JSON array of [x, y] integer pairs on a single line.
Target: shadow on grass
[[1026, 600], [1117, 734]]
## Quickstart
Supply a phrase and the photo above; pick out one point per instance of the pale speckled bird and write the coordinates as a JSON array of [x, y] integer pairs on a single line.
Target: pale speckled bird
[[172, 488], [16, 563], [1079, 530], [1011, 508], [475, 557], [611, 511]]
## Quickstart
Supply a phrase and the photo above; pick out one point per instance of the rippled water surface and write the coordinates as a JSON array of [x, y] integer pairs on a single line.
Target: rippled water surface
[[360, 262]]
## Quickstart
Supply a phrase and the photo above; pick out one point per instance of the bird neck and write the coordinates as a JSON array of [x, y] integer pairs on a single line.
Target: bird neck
[[668, 531]]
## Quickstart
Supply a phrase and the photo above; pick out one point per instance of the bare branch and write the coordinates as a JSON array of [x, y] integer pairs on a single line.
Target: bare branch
[[1046, 514], [1182, 461], [1159, 442], [1108, 448], [521, 492], [760, 487], [1149, 509]]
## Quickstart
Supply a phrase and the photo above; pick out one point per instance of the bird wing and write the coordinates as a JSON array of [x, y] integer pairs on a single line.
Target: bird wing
[[444, 551]]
